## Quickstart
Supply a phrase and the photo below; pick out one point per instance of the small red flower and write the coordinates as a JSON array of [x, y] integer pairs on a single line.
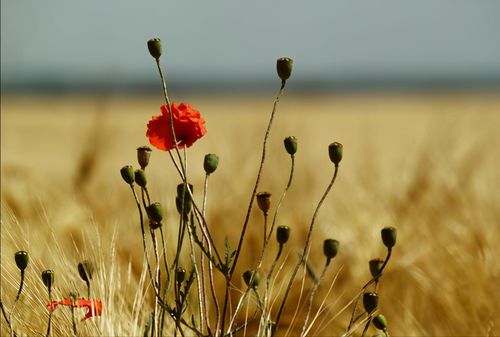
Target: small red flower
[[94, 307], [188, 125]]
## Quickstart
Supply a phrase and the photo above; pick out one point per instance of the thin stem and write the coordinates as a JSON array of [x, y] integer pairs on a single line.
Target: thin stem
[[250, 205], [311, 297], [367, 325], [306, 248], [198, 279], [141, 219], [50, 315], [15, 303]]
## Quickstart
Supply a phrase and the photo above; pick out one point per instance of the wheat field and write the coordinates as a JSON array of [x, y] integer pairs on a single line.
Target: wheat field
[[426, 163]]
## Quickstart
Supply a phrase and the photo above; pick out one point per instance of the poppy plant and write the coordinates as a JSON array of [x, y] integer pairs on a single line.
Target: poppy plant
[[94, 307], [189, 126]]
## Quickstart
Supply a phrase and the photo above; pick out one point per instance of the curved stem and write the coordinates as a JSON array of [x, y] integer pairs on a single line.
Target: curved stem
[[306, 248], [250, 205], [311, 298]]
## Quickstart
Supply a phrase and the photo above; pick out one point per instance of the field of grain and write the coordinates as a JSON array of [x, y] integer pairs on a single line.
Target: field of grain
[[427, 164]]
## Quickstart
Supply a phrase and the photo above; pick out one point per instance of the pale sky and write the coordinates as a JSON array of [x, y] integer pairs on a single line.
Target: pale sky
[[96, 41]]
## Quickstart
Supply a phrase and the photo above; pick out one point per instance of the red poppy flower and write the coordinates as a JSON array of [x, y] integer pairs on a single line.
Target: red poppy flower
[[94, 307], [188, 125]]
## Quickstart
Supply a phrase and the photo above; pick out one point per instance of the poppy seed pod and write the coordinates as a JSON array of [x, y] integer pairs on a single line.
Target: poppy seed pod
[[127, 173], [182, 190], [183, 207], [290, 145], [282, 234], [154, 47], [370, 301], [264, 201], [155, 212], [335, 152], [376, 266], [380, 322], [140, 177], [389, 235], [330, 248], [210, 163], [86, 270], [48, 278], [21, 258], [252, 282], [143, 155], [180, 275], [284, 67]]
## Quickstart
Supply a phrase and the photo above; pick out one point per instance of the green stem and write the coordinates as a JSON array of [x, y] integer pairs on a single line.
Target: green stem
[[250, 205], [306, 248]]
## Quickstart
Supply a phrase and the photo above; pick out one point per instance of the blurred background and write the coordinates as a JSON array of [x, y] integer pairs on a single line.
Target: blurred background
[[232, 45], [410, 88]]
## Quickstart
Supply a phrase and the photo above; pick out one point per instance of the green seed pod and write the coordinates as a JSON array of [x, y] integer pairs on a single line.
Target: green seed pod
[[290, 145], [389, 235], [154, 47], [140, 177], [127, 173], [48, 278], [380, 322], [180, 275], [376, 266], [330, 248], [155, 212], [264, 201], [143, 155], [370, 301], [183, 208], [22, 259], [335, 152], [86, 270], [210, 163], [249, 281], [282, 234], [182, 190], [284, 67]]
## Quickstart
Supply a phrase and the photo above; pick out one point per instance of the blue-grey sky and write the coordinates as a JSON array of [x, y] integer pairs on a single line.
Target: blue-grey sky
[[104, 42]]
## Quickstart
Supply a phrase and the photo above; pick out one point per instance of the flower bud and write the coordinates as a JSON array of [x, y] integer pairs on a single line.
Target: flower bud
[[127, 173], [389, 236], [284, 67], [180, 275], [210, 163], [335, 152], [143, 155], [155, 213], [282, 234], [290, 145], [48, 278], [264, 201], [140, 177], [252, 282], [376, 266], [330, 248], [86, 270], [21, 259], [380, 322], [154, 47], [370, 301]]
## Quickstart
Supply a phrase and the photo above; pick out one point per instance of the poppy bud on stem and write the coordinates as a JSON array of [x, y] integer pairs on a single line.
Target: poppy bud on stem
[[389, 235], [284, 68], [335, 151], [140, 177], [290, 145], [127, 173], [282, 234], [210, 163], [330, 248], [264, 201], [370, 301], [251, 278], [143, 155], [154, 47]]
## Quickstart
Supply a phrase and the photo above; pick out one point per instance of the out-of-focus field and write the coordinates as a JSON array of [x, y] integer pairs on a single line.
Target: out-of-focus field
[[427, 164]]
